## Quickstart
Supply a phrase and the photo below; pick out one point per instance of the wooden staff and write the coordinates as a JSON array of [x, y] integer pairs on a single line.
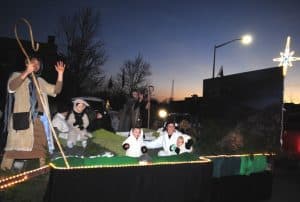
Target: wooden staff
[[35, 47], [150, 90]]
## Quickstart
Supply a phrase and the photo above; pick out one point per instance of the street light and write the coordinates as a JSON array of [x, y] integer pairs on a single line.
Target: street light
[[246, 39], [162, 113]]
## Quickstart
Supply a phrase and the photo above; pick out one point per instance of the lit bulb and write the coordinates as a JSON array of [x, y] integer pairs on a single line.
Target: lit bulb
[[162, 113], [246, 39]]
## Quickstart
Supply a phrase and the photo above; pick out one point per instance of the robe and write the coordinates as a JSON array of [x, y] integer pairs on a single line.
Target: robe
[[23, 140], [165, 141]]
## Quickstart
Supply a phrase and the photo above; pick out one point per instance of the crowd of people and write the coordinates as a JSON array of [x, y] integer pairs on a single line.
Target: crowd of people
[[26, 120]]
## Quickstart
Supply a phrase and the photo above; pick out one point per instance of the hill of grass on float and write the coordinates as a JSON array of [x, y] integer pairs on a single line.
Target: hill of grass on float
[[109, 141], [102, 141]]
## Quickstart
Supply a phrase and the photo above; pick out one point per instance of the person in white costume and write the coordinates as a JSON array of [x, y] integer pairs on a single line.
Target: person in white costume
[[134, 144], [168, 141], [78, 122], [183, 144], [59, 122]]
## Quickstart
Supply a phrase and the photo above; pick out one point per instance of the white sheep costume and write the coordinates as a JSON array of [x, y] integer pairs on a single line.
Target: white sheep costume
[[78, 122], [136, 145]]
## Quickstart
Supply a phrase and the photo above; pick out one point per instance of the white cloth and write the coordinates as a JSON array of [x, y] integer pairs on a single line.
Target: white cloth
[[165, 142], [59, 122], [80, 101], [135, 145]]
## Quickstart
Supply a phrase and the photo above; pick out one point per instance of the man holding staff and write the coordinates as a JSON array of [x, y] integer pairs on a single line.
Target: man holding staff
[[29, 134]]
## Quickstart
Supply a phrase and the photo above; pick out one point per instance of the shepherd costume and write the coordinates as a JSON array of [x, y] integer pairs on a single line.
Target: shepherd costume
[[78, 123], [139, 113], [128, 115], [26, 121], [143, 113], [136, 146]]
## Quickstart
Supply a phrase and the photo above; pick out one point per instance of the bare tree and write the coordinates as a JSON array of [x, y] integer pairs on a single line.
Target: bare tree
[[83, 49], [134, 74], [93, 83]]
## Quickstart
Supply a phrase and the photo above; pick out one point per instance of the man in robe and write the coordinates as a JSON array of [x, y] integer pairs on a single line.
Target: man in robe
[[29, 134], [168, 141]]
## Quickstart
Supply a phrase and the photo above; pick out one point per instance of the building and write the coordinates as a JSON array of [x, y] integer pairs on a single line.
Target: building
[[254, 90], [243, 112]]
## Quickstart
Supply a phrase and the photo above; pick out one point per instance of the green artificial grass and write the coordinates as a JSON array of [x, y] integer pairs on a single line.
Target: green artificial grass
[[121, 160], [96, 161], [109, 141], [93, 149], [176, 158], [73, 161], [116, 160], [101, 142]]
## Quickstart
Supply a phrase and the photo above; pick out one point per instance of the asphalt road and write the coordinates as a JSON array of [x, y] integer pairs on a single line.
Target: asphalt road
[[286, 182]]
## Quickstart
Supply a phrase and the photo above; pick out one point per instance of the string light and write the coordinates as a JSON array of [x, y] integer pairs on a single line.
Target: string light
[[240, 155], [201, 160], [7, 185], [12, 180]]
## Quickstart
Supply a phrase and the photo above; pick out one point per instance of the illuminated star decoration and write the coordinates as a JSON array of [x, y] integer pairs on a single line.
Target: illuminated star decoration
[[286, 57]]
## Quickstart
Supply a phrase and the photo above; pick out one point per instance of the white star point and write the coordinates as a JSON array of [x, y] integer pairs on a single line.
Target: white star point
[[286, 58]]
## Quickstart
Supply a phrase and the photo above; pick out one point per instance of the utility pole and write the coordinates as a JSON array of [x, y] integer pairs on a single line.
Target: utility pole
[[172, 91]]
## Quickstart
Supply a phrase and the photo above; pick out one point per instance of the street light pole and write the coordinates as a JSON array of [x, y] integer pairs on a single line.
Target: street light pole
[[215, 50], [214, 62]]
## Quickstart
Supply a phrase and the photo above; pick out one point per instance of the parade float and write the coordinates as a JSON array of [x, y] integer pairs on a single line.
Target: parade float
[[242, 129]]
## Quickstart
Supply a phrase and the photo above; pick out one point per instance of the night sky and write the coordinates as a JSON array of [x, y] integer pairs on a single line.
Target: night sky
[[177, 37]]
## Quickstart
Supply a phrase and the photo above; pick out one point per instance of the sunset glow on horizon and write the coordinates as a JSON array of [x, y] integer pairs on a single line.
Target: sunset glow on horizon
[[178, 37]]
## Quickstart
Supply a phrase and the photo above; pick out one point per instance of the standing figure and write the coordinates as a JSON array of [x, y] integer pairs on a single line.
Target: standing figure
[[78, 122], [127, 114], [27, 123], [140, 110]]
